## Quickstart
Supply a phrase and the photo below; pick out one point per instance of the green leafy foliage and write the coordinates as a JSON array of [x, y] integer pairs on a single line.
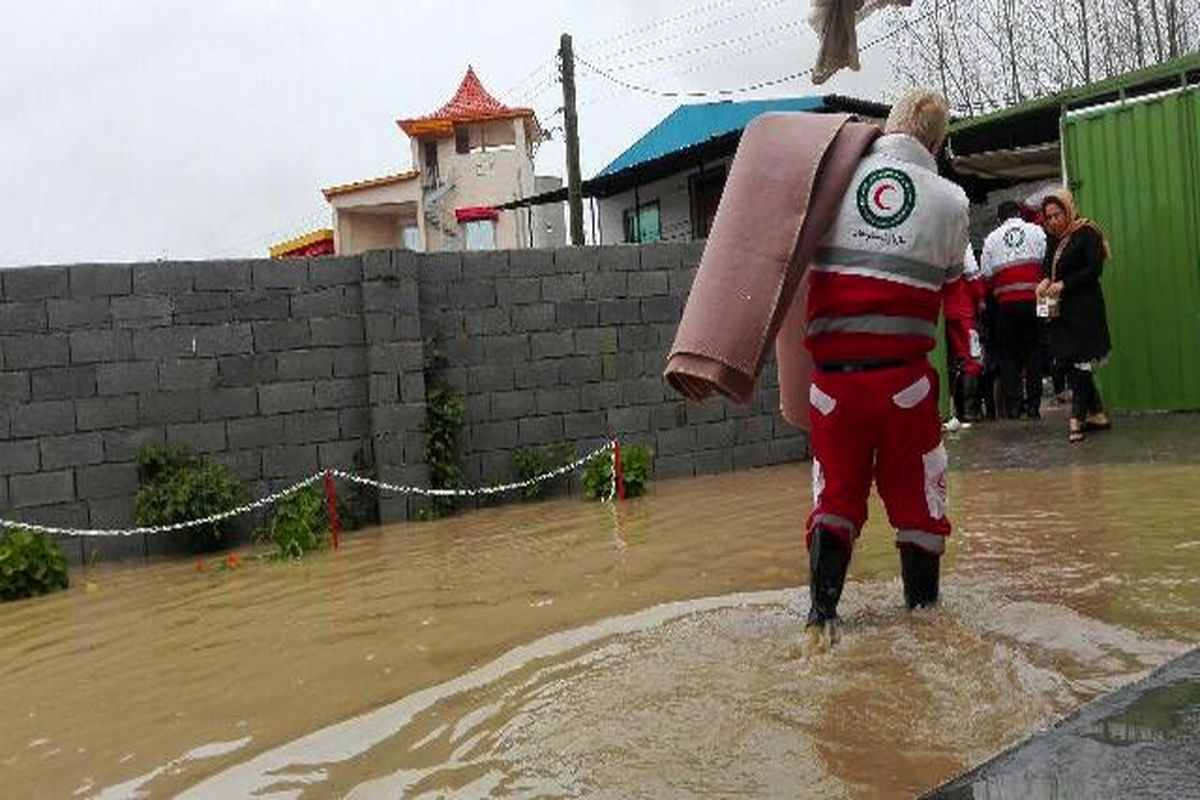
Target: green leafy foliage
[[444, 414], [531, 463], [176, 485], [637, 462], [30, 565], [299, 525]]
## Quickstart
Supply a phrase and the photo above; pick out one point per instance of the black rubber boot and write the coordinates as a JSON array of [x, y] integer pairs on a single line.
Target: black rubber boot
[[920, 572], [828, 561]]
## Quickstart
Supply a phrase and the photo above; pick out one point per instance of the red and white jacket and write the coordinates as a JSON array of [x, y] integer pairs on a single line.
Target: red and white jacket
[[891, 262], [976, 284], [1012, 260]]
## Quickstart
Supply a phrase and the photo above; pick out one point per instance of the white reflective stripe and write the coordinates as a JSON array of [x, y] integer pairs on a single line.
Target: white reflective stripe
[[935, 463], [1015, 287], [818, 482], [821, 401], [835, 521], [873, 323], [887, 266], [910, 397], [930, 542]]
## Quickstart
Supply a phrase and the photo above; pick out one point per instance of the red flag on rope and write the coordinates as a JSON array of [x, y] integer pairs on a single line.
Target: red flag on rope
[[335, 520]]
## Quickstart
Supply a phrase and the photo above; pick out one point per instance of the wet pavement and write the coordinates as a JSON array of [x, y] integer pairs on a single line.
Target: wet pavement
[[1026, 444], [1141, 741], [569, 649]]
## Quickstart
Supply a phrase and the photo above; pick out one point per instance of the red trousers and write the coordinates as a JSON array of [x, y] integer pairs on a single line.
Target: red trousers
[[880, 424]]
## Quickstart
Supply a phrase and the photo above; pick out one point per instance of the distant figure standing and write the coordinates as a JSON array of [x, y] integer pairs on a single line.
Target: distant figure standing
[[1074, 303], [965, 386], [1012, 263]]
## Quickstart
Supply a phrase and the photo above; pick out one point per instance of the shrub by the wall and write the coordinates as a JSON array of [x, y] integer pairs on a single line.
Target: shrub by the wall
[[444, 415], [531, 463], [30, 565], [636, 465], [176, 485], [299, 525]]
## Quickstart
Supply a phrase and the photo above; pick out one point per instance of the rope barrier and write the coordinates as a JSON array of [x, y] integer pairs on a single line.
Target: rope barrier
[[327, 476]]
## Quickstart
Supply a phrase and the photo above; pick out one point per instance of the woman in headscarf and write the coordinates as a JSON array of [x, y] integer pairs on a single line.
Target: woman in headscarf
[[1074, 302]]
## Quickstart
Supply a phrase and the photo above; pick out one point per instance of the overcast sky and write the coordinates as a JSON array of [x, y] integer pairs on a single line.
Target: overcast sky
[[142, 129]]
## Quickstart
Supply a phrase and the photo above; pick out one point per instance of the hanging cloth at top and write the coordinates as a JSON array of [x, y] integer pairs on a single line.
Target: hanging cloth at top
[[834, 22]]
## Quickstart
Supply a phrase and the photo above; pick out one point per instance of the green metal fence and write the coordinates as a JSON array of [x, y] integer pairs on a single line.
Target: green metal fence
[[1135, 169]]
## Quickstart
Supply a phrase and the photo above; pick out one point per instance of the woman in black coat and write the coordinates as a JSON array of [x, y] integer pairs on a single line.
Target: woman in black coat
[[1075, 257]]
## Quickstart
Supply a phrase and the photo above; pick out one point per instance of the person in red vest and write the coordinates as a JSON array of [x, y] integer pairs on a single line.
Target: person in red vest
[[1012, 265], [891, 263]]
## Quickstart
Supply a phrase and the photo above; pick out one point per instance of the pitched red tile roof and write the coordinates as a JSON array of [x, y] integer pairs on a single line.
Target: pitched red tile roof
[[471, 103]]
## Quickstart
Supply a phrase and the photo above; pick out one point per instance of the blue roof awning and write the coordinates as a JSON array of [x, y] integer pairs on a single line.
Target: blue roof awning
[[691, 125]]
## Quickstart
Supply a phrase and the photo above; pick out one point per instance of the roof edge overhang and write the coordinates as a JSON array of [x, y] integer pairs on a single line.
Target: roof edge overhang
[[370, 183], [444, 126]]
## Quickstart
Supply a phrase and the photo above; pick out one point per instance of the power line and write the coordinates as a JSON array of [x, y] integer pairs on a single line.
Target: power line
[[692, 93], [725, 92], [543, 65], [536, 91], [704, 47], [630, 32], [727, 57], [714, 23], [618, 91]]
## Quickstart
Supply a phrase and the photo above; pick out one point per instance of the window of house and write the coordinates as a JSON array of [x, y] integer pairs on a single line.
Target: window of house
[[480, 234], [487, 137], [704, 191], [431, 163], [412, 238], [643, 223]]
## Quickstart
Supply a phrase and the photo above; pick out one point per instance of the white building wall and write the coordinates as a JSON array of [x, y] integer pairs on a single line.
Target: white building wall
[[549, 221], [674, 207], [489, 178], [358, 233], [374, 217]]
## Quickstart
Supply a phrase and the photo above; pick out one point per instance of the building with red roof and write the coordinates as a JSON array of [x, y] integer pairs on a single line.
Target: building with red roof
[[469, 157]]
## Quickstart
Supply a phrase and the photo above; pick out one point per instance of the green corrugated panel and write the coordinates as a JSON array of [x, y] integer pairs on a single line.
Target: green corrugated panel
[[1136, 170], [938, 359]]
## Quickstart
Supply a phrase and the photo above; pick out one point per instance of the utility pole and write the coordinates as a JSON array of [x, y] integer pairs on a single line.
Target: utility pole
[[566, 58]]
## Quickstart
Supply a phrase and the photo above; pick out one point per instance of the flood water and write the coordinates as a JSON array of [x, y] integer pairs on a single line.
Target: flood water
[[565, 649]]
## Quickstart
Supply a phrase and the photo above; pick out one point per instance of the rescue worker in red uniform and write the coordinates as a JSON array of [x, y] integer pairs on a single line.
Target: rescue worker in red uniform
[[1012, 265], [965, 388], [892, 261]]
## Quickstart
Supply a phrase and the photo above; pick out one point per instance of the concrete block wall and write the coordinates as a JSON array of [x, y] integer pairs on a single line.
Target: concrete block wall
[[568, 346], [260, 365], [281, 368]]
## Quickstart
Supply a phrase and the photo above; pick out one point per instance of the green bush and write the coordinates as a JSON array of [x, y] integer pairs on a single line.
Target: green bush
[[300, 524], [179, 486], [531, 463], [444, 414], [30, 565], [637, 463]]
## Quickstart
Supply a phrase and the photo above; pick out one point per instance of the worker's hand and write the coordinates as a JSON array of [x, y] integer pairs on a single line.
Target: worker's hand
[[1055, 289], [1042, 287]]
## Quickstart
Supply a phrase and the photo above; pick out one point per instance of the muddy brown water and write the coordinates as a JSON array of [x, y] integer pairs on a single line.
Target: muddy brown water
[[565, 649]]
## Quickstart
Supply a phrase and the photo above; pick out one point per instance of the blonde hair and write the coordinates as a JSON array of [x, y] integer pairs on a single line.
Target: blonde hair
[[923, 114]]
